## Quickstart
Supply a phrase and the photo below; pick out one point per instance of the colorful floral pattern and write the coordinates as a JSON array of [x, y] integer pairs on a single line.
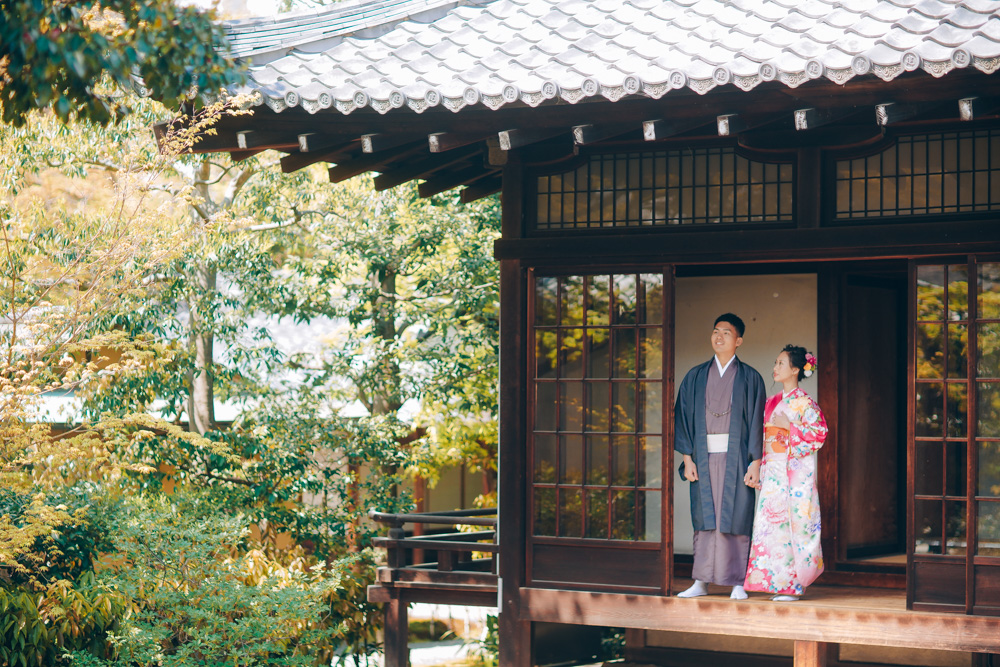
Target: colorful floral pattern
[[785, 551]]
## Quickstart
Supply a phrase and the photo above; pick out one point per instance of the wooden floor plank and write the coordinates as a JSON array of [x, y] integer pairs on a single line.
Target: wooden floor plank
[[876, 617]]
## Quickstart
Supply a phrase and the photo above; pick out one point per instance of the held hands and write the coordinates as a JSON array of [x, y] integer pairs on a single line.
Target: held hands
[[780, 420], [752, 476]]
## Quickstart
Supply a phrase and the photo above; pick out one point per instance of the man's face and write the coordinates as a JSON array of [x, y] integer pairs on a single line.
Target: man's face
[[725, 340]]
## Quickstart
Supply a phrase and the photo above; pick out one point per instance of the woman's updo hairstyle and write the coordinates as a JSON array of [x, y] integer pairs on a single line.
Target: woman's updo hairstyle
[[797, 357]]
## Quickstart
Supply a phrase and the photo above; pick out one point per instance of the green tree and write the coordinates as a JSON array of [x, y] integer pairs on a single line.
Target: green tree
[[76, 58]]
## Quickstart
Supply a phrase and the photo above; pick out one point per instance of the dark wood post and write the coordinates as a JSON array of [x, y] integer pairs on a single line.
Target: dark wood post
[[512, 495], [811, 654], [396, 555], [396, 632]]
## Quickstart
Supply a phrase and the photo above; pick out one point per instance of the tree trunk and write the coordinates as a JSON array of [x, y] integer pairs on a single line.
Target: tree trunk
[[201, 401], [386, 399]]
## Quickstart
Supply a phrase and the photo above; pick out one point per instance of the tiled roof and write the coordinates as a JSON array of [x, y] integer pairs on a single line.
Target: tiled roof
[[424, 53]]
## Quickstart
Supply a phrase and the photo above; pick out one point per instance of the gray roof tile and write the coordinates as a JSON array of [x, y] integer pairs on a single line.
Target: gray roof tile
[[989, 48], [421, 53], [991, 29]]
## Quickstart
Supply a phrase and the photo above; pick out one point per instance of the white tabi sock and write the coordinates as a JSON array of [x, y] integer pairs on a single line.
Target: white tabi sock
[[738, 593], [700, 588], [785, 598]]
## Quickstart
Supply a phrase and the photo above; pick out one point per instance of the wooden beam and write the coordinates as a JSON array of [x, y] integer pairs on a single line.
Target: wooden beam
[[315, 142], [891, 113], [336, 154], [972, 108], [263, 139], [449, 180], [730, 124], [592, 134], [484, 187], [423, 168], [871, 241], [811, 118], [511, 139], [835, 136], [654, 130], [440, 142], [376, 143], [239, 156], [369, 162]]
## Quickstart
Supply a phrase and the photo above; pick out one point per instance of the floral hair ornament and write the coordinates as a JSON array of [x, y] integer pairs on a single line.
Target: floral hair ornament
[[810, 366]]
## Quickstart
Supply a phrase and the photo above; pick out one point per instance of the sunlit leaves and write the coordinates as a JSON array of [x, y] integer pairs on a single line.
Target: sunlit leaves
[[77, 58]]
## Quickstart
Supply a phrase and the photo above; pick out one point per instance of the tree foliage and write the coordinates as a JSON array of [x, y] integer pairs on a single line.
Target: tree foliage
[[76, 58], [150, 289]]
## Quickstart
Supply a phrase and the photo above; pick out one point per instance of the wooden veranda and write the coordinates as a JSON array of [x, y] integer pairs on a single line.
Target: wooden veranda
[[830, 169]]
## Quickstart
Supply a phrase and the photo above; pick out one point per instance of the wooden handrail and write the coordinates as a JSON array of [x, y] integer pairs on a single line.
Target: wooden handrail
[[474, 517], [437, 545]]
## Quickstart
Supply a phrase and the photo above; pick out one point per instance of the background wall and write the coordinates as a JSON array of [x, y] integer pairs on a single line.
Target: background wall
[[777, 310]]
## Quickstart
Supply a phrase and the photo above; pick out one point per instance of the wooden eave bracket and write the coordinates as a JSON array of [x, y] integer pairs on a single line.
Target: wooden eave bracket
[[973, 108], [264, 140], [592, 134], [891, 113], [812, 118], [654, 130], [378, 142], [730, 124], [518, 138], [441, 142]]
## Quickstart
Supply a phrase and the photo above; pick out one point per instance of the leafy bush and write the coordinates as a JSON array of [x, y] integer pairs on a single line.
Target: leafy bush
[[62, 549], [42, 628]]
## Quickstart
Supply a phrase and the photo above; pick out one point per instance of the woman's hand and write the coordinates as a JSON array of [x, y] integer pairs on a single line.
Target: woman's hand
[[752, 476], [780, 420]]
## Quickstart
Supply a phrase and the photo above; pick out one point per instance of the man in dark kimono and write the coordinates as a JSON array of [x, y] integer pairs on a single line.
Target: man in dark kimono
[[719, 432]]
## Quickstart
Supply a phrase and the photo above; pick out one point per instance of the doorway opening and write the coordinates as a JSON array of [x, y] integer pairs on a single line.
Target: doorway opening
[[872, 352], [863, 337]]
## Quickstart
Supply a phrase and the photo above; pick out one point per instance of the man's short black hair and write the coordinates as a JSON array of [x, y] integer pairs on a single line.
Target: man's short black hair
[[734, 320]]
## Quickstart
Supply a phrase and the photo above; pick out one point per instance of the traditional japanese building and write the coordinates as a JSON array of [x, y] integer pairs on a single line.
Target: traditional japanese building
[[829, 170]]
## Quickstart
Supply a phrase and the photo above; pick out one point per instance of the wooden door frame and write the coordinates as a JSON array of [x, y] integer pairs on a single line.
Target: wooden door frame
[[665, 549]]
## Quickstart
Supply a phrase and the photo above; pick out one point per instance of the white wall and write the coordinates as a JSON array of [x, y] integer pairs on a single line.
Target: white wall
[[777, 310]]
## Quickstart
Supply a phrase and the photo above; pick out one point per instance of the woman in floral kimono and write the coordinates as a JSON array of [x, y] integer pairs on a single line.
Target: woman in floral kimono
[[785, 552]]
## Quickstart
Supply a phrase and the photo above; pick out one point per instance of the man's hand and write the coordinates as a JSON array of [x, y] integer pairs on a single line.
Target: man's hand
[[690, 469], [752, 477]]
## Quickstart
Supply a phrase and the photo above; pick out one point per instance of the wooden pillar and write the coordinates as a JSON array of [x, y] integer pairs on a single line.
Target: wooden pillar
[[396, 632], [512, 492], [812, 654]]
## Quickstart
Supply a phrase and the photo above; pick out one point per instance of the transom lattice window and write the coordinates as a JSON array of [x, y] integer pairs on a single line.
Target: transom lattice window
[[597, 417], [689, 187], [953, 172]]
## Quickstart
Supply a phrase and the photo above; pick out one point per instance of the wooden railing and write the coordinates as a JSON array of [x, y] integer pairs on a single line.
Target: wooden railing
[[456, 577], [454, 550]]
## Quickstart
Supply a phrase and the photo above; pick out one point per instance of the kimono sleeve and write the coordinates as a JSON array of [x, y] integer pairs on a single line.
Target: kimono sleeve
[[808, 432], [683, 417], [756, 399]]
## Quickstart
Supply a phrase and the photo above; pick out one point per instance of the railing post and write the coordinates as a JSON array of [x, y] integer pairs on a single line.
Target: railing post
[[396, 632], [396, 556]]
